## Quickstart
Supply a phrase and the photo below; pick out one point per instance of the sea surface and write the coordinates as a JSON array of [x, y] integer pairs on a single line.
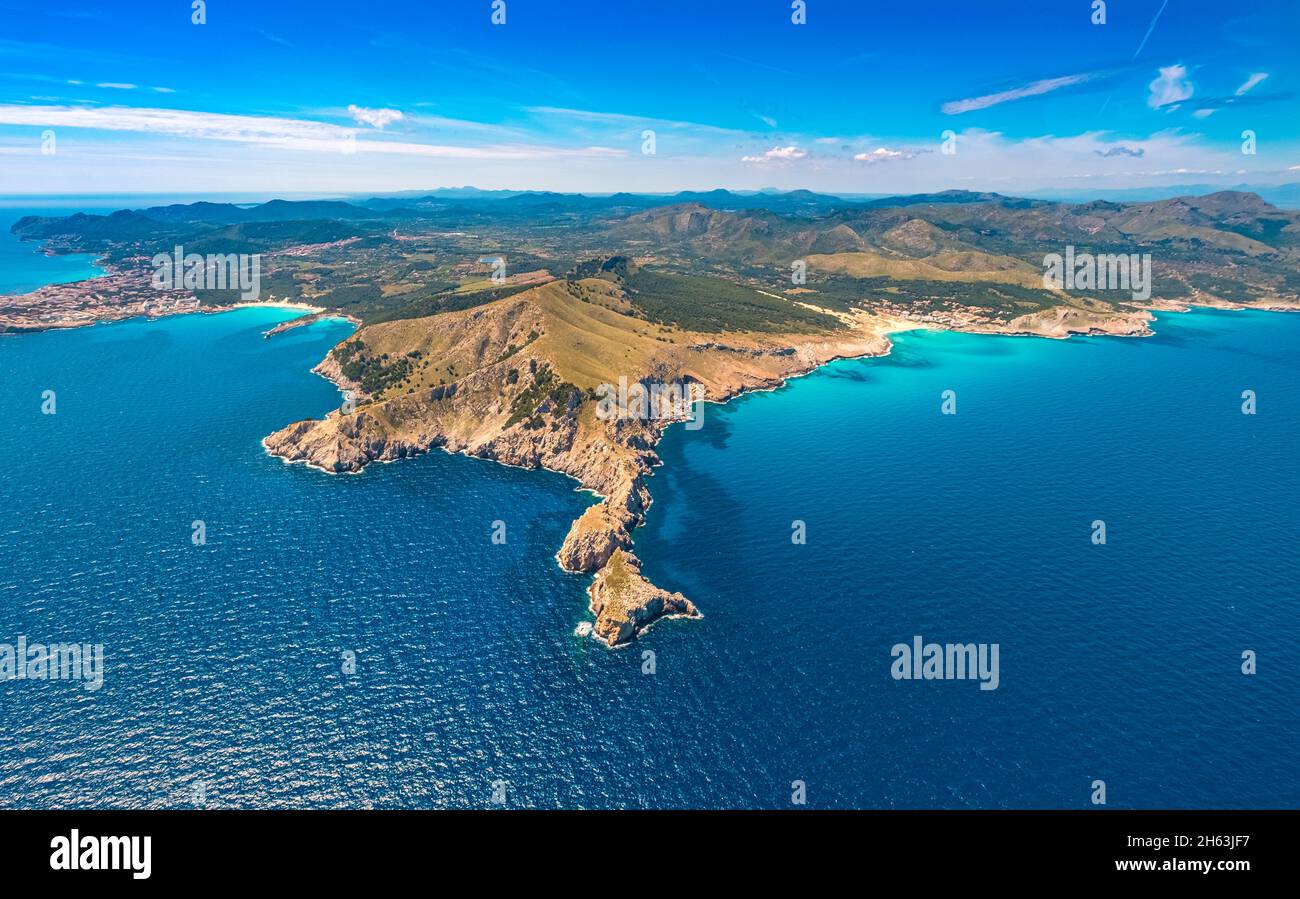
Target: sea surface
[[229, 679], [24, 266]]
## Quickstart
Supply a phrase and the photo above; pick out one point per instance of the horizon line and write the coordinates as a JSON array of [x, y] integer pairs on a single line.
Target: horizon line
[[1241, 187]]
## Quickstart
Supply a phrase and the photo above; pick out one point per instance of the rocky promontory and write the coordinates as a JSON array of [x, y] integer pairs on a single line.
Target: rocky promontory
[[527, 370], [625, 603]]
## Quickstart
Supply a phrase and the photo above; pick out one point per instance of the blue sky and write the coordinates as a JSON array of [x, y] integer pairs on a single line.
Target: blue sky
[[330, 97]]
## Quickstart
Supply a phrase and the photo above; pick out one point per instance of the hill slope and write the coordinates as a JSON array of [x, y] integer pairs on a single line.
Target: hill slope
[[518, 380]]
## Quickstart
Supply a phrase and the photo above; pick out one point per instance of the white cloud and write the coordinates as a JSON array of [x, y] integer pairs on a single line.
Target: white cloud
[[883, 154], [1034, 89], [992, 161], [180, 122], [1251, 82], [248, 152], [289, 134], [786, 153], [777, 154], [123, 86], [375, 118], [1170, 87]]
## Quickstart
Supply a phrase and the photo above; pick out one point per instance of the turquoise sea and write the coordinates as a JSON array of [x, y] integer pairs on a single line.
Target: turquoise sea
[[225, 681], [24, 267]]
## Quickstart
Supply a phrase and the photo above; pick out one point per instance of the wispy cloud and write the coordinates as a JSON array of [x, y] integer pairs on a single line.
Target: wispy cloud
[[289, 134], [623, 119], [1033, 89], [123, 86], [275, 39], [1251, 82], [1150, 28], [1205, 107], [1172, 83]]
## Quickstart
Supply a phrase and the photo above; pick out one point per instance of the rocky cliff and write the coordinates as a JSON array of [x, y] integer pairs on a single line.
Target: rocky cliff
[[526, 372]]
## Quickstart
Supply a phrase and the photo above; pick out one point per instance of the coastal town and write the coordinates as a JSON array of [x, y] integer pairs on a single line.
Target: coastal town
[[120, 294]]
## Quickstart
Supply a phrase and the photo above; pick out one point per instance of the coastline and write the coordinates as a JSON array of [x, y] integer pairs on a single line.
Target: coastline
[[603, 536], [94, 265], [521, 610], [117, 293], [314, 314], [612, 464], [116, 296]]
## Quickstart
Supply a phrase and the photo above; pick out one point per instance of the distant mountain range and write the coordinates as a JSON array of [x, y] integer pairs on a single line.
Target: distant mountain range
[[410, 256], [1277, 194], [1287, 195]]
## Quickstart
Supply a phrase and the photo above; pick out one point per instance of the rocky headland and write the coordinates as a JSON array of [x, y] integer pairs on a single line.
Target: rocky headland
[[528, 367]]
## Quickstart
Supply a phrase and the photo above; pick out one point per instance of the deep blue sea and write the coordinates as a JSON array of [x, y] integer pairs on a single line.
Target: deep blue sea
[[224, 682]]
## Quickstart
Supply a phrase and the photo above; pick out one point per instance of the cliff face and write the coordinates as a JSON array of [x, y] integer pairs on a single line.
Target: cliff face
[[516, 381], [625, 603], [526, 368]]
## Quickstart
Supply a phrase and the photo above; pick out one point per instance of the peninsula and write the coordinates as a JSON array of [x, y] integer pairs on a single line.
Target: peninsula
[[490, 326]]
